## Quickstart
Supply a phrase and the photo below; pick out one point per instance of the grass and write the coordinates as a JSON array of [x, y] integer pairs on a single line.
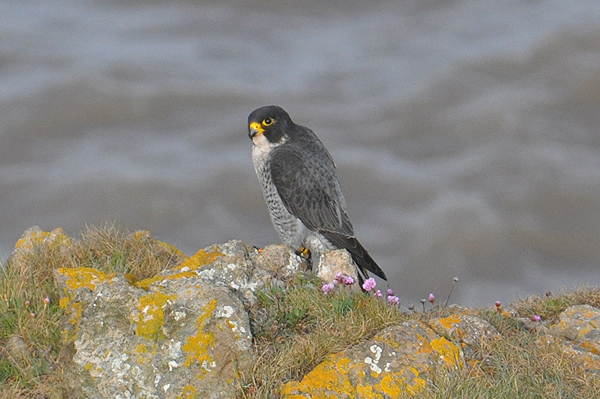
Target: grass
[[295, 326]]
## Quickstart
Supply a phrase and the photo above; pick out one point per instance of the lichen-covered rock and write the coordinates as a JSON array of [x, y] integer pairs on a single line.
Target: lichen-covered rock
[[333, 262], [178, 336], [580, 324], [466, 330], [398, 360], [34, 236], [241, 267]]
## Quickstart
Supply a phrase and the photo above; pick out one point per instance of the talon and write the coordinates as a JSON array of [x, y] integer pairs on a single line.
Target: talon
[[304, 252], [260, 250]]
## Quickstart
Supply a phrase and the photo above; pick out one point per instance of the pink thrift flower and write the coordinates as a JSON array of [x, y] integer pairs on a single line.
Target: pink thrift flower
[[339, 278], [32, 315], [390, 292], [328, 287], [393, 299], [27, 302], [535, 318], [431, 298], [369, 284], [378, 294], [498, 306], [46, 300], [347, 280]]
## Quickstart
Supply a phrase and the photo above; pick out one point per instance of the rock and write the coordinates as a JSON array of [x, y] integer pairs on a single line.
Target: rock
[[241, 267], [466, 330], [333, 262], [279, 261], [17, 349], [580, 326], [178, 336], [34, 236], [398, 360]]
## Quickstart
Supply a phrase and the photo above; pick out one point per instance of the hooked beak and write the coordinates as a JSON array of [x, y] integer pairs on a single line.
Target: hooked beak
[[254, 129]]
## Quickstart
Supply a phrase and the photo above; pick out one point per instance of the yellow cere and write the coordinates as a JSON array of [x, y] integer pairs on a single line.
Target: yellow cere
[[257, 126]]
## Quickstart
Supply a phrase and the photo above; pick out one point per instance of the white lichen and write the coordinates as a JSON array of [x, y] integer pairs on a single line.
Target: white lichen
[[179, 315], [373, 365], [226, 311], [206, 365], [172, 365], [376, 350]]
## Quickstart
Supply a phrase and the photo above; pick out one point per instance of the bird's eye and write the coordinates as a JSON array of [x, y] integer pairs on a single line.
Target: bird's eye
[[268, 122]]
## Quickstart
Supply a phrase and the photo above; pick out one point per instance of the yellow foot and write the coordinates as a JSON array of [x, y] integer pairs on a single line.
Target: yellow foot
[[304, 252]]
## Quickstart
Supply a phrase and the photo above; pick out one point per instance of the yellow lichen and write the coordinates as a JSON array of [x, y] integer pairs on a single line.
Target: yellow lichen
[[84, 277], [448, 351], [152, 317], [188, 392], [201, 258], [418, 383], [75, 313], [366, 391], [36, 236], [146, 283], [64, 302], [197, 346], [144, 354], [448, 322], [328, 380]]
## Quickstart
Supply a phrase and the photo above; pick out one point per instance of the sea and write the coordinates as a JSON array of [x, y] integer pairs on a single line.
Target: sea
[[466, 133]]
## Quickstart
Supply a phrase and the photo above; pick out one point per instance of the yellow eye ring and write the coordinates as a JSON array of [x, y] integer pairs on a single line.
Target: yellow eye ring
[[267, 122]]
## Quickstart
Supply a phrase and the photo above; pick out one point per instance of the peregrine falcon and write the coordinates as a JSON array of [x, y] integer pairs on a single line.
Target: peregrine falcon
[[301, 188]]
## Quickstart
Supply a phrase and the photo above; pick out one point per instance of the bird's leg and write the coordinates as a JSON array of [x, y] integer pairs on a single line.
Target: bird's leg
[[305, 254]]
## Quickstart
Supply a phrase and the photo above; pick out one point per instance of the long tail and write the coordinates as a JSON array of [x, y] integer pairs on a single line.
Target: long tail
[[359, 254]]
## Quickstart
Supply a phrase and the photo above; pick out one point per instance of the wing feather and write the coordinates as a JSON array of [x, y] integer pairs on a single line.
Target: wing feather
[[309, 189]]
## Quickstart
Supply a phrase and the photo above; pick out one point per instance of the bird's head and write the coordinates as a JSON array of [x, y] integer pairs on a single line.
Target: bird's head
[[271, 123]]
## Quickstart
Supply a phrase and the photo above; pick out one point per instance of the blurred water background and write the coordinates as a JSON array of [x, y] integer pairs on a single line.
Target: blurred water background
[[466, 132]]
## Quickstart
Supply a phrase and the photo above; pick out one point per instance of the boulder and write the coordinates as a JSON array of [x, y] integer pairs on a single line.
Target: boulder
[[173, 335], [400, 359]]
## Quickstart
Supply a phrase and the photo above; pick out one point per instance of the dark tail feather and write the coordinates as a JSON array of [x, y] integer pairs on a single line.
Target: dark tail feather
[[359, 254]]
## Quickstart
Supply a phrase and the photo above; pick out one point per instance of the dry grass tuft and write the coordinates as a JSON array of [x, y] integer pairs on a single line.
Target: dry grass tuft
[[551, 305]]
